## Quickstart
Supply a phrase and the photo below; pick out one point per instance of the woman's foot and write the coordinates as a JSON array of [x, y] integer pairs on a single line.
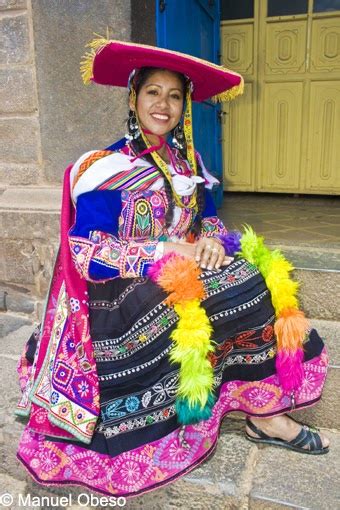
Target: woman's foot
[[285, 431]]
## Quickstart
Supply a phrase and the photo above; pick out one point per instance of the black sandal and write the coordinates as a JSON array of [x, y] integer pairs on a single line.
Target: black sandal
[[308, 436]]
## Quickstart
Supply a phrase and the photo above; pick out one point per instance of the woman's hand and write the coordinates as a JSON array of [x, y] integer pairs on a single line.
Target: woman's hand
[[207, 252], [210, 254], [182, 248]]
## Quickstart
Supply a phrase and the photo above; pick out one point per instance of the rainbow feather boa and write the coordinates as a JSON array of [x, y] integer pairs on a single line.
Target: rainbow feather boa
[[192, 348], [178, 276]]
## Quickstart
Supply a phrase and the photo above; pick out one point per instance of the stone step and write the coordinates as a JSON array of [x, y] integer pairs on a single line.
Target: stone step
[[29, 220], [240, 475], [318, 272], [18, 329], [325, 413], [319, 293]]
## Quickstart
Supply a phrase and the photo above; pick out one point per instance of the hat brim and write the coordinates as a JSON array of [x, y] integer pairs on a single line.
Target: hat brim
[[111, 62]]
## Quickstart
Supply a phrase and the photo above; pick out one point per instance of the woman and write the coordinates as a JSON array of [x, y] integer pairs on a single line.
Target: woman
[[159, 321]]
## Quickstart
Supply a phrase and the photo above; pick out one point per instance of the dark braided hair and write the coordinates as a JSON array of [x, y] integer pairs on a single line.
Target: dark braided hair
[[139, 146]]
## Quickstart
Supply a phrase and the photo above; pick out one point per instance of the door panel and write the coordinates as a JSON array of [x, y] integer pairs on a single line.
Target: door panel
[[282, 108], [292, 124], [325, 54], [286, 47], [237, 48], [237, 142], [324, 148]]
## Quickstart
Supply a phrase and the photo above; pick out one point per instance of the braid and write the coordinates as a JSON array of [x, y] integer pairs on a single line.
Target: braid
[[197, 225]]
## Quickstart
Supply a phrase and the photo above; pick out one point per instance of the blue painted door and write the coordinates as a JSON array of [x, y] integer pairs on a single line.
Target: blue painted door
[[193, 26]]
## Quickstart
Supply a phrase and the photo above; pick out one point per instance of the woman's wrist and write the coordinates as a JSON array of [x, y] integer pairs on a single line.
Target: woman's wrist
[[168, 246], [159, 252]]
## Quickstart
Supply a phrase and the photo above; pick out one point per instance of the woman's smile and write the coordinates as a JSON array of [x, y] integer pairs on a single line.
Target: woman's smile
[[160, 116]]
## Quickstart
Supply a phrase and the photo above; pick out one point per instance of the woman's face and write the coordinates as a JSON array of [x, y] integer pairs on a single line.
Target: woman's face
[[160, 102]]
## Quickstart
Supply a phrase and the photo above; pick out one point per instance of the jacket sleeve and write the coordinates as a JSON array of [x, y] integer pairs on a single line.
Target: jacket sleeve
[[97, 252], [212, 226]]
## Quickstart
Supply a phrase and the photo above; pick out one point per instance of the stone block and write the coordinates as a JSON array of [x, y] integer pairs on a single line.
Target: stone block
[[10, 324], [11, 345], [40, 199], [19, 174], [17, 299], [28, 263], [30, 225], [74, 118], [3, 295], [330, 333], [18, 303], [74, 494], [14, 40], [11, 427], [19, 139], [286, 479], [145, 32], [12, 4], [268, 504], [12, 488], [319, 293], [11, 431], [17, 90]]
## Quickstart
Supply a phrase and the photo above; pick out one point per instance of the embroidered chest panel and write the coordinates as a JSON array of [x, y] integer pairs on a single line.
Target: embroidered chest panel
[[143, 216]]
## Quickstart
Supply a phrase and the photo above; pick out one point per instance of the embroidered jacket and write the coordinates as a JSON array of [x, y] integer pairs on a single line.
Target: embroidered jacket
[[120, 212]]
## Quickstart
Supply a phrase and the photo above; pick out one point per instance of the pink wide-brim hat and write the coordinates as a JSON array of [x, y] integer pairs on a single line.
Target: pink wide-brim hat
[[110, 62]]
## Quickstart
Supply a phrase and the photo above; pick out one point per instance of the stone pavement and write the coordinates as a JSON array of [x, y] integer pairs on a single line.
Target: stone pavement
[[240, 475]]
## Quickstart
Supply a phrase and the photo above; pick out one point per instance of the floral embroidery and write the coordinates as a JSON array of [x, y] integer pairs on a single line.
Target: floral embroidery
[[142, 215], [137, 423], [83, 388], [147, 330], [132, 404], [48, 460], [212, 227], [136, 471], [130, 471], [75, 305]]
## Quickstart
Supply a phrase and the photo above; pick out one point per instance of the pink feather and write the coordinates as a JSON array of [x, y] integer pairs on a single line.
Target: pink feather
[[289, 367], [155, 270]]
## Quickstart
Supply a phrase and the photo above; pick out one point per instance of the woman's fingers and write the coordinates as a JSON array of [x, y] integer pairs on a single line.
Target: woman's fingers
[[221, 257], [203, 251], [214, 257], [209, 253], [199, 250], [205, 258], [227, 261]]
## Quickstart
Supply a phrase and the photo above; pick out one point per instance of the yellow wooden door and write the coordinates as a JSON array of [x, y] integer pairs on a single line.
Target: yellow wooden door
[[283, 134]]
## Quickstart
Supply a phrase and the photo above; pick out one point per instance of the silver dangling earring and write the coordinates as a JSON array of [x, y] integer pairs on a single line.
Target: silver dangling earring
[[178, 138], [133, 127]]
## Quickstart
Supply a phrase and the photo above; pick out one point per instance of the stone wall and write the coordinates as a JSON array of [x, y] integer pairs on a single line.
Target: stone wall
[[48, 118], [19, 121]]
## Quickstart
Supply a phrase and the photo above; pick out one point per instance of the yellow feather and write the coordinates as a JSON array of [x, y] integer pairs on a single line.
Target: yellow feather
[[230, 94], [86, 64]]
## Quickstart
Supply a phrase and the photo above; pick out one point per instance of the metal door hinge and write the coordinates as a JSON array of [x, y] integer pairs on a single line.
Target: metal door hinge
[[221, 115], [162, 5]]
